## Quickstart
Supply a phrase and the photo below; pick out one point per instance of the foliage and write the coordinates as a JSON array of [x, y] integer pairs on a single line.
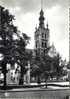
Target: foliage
[[40, 65], [44, 66], [13, 50]]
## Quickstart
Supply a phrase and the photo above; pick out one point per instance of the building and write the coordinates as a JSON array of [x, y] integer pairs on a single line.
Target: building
[[41, 36], [41, 45], [52, 52]]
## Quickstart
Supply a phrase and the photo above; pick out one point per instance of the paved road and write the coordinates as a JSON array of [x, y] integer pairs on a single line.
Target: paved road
[[37, 93]]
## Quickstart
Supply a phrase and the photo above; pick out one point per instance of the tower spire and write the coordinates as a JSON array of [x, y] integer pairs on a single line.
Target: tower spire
[[41, 18], [41, 4]]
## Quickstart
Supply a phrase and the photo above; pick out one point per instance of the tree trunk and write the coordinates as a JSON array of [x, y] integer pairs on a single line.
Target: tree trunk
[[38, 79], [5, 80], [21, 77], [5, 84]]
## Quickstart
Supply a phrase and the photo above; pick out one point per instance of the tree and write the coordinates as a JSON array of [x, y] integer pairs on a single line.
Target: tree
[[6, 38], [45, 66], [13, 50], [21, 55], [40, 65], [68, 65], [58, 67]]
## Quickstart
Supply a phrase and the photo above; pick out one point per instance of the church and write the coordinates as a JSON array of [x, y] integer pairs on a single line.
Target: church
[[41, 36], [42, 43]]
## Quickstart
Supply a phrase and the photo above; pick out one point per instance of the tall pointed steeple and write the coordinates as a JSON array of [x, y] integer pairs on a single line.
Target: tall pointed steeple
[[41, 18], [41, 35]]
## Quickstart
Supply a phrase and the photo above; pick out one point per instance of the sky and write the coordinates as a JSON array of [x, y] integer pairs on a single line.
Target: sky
[[26, 13]]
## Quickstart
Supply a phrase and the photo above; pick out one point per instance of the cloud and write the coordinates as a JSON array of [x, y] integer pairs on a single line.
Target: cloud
[[56, 12], [58, 22], [51, 3], [63, 48], [33, 5]]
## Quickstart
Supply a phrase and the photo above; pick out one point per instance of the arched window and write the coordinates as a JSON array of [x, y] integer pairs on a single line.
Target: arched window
[[42, 44], [45, 44], [42, 35], [36, 44], [45, 36]]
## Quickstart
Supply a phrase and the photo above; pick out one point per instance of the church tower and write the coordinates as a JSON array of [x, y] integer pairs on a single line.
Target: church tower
[[41, 36]]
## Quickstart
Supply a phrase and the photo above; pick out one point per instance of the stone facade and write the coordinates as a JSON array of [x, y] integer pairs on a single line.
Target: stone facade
[[41, 36]]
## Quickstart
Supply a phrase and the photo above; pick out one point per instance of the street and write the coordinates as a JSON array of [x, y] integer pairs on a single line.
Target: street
[[37, 93]]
